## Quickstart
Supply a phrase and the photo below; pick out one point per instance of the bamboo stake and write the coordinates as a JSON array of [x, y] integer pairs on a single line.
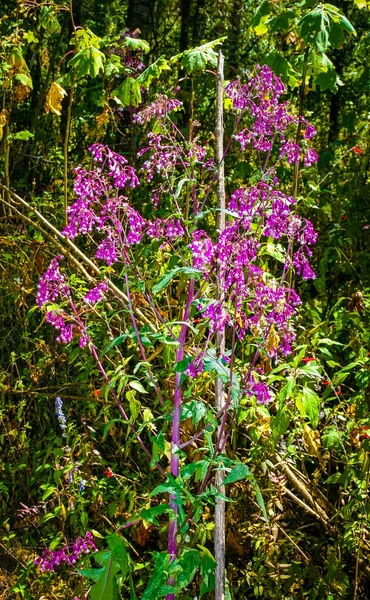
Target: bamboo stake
[[219, 535]]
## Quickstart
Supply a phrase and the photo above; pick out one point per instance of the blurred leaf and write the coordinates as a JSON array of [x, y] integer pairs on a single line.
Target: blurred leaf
[[88, 61]]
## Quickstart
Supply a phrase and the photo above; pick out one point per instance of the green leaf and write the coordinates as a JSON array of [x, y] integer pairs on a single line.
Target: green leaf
[[179, 187], [311, 405], [150, 514], [279, 64], [107, 425], [275, 250], [128, 92], [260, 14], [328, 80], [24, 79], [48, 491], [212, 364], [164, 488], [30, 37], [48, 19], [189, 561], [136, 44], [188, 470], [198, 58], [158, 576], [343, 478], [329, 342], [154, 71], [331, 439], [286, 391], [165, 280], [116, 342], [105, 587], [119, 552], [281, 22], [362, 378], [88, 61], [136, 385], [194, 410], [324, 26], [314, 29], [207, 574], [280, 422], [238, 473], [21, 135], [91, 573]]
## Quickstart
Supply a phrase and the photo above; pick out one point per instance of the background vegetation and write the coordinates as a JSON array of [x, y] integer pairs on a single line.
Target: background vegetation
[[313, 472]]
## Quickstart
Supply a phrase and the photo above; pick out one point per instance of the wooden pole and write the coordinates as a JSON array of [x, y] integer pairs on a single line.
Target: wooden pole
[[219, 535]]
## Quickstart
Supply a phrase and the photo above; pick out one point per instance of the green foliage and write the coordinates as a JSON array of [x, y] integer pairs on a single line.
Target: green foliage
[[306, 452]]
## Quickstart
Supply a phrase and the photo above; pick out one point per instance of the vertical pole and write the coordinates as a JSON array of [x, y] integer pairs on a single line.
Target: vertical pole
[[219, 535]]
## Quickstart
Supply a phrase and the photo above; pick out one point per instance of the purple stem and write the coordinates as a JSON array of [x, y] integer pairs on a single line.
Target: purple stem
[[175, 439], [103, 372], [136, 329]]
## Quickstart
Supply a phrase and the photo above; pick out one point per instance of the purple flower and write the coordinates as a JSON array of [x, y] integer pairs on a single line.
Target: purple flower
[[95, 294], [57, 320], [117, 167], [218, 316], [260, 390], [52, 284], [68, 554], [58, 405], [136, 226], [158, 109], [302, 265], [310, 157], [203, 250], [292, 151], [310, 131], [163, 229], [107, 251], [195, 368]]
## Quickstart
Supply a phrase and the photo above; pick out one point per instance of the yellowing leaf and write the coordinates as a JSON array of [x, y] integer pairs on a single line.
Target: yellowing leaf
[[311, 440], [21, 92], [53, 102], [3, 121], [261, 29], [361, 4], [103, 118]]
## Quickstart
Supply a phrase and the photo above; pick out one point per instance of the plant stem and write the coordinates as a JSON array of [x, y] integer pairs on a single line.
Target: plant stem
[[175, 439], [299, 130], [65, 149]]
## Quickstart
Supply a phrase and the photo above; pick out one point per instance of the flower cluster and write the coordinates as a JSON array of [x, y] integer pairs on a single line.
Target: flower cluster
[[52, 284], [99, 204], [158, 109], [165, 229], [95, 294], [130, 57], [253, 300], [269, 118], [57, 319], [164, 157], [68, 554], [58, 405]]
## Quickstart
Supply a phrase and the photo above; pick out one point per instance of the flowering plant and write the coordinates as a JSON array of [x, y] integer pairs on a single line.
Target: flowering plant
[[235, 279]]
